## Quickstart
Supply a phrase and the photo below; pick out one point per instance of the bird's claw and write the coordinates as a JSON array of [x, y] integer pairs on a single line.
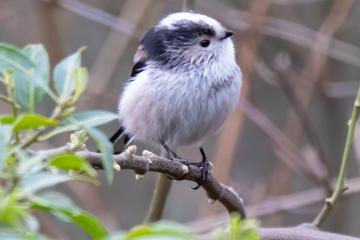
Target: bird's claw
[[205, 168]]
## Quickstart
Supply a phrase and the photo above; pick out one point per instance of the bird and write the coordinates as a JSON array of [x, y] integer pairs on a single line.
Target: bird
[[184, 84]]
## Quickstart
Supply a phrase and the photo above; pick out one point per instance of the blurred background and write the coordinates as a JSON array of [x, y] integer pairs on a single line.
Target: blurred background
[[281, 148]]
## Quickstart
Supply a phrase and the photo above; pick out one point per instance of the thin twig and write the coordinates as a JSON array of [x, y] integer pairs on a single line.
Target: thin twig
[[279, 28], [292, 157], [100, 16], [9, 81], [7, 100], [340, 185], [302, 232]]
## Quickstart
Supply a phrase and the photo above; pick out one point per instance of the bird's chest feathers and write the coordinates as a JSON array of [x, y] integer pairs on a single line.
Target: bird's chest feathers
[[192, 86]]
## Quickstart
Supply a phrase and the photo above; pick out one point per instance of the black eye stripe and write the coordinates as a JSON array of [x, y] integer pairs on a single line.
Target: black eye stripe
[[194, 28], [159, 40], [209, 32]]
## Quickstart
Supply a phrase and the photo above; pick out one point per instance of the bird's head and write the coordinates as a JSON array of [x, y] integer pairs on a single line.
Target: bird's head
[[188, 39]]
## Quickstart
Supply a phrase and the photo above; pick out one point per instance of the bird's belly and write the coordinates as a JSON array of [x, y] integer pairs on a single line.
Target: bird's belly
[[178, 115], [200, 117]]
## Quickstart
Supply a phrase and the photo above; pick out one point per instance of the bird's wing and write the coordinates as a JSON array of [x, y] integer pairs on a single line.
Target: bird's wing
[[139, 65], [140, 59]]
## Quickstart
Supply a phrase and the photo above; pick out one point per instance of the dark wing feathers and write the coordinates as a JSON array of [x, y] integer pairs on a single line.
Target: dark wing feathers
[[137, 68]]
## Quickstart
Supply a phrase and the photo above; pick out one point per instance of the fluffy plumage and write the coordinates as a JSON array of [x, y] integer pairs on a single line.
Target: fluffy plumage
[[184, 83]]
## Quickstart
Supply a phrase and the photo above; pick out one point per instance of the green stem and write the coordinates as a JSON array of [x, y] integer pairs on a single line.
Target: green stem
[[340, 184], [158, 201], [34, 137], [159, 197], [9, 80]]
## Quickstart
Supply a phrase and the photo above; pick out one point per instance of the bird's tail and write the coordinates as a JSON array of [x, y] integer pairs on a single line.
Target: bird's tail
[[118, 135]]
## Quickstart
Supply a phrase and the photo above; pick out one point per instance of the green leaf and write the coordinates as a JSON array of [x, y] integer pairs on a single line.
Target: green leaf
[[7, 233], [7, 119], [72, 162], [39, 181], [160, 231], [30, 121], [11, 57], [58, 205], [24, 70], [31, 223], [106, 148], [28, 94], [239, 229], [42, 180], [29, 165], [87, 119], [65, 83], [12, 210], [81, 76]]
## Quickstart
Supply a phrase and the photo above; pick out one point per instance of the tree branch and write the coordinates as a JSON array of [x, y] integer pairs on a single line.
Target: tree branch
[[280, 204], [302, 232], [153, 163]]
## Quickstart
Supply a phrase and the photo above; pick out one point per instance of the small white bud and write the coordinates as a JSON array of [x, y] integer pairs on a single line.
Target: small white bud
[[357, 103], [131, 150], [117, 167], [147, 154], [139, 177], [185, 169]]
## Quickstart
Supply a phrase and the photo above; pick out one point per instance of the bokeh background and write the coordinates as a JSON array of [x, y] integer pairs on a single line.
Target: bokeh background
[[281, 148]]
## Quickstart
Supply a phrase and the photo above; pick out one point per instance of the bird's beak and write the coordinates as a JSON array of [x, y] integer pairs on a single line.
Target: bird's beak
[[227, 34]]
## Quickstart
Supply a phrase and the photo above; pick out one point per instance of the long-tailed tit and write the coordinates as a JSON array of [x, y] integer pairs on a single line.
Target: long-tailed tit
[[184, 83]]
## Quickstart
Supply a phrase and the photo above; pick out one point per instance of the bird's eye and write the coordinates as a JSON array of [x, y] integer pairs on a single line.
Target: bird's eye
[[205, 43]]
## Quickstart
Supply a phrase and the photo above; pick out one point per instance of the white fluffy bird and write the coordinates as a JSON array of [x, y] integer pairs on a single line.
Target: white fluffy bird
[[184, 83]]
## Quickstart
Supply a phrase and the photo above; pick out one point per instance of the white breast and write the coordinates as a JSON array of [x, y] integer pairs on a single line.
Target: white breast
[[179, 108]]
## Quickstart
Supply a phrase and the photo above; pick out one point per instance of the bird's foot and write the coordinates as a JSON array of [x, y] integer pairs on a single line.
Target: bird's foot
[[205, 168], [204, 165], [172, 155]]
